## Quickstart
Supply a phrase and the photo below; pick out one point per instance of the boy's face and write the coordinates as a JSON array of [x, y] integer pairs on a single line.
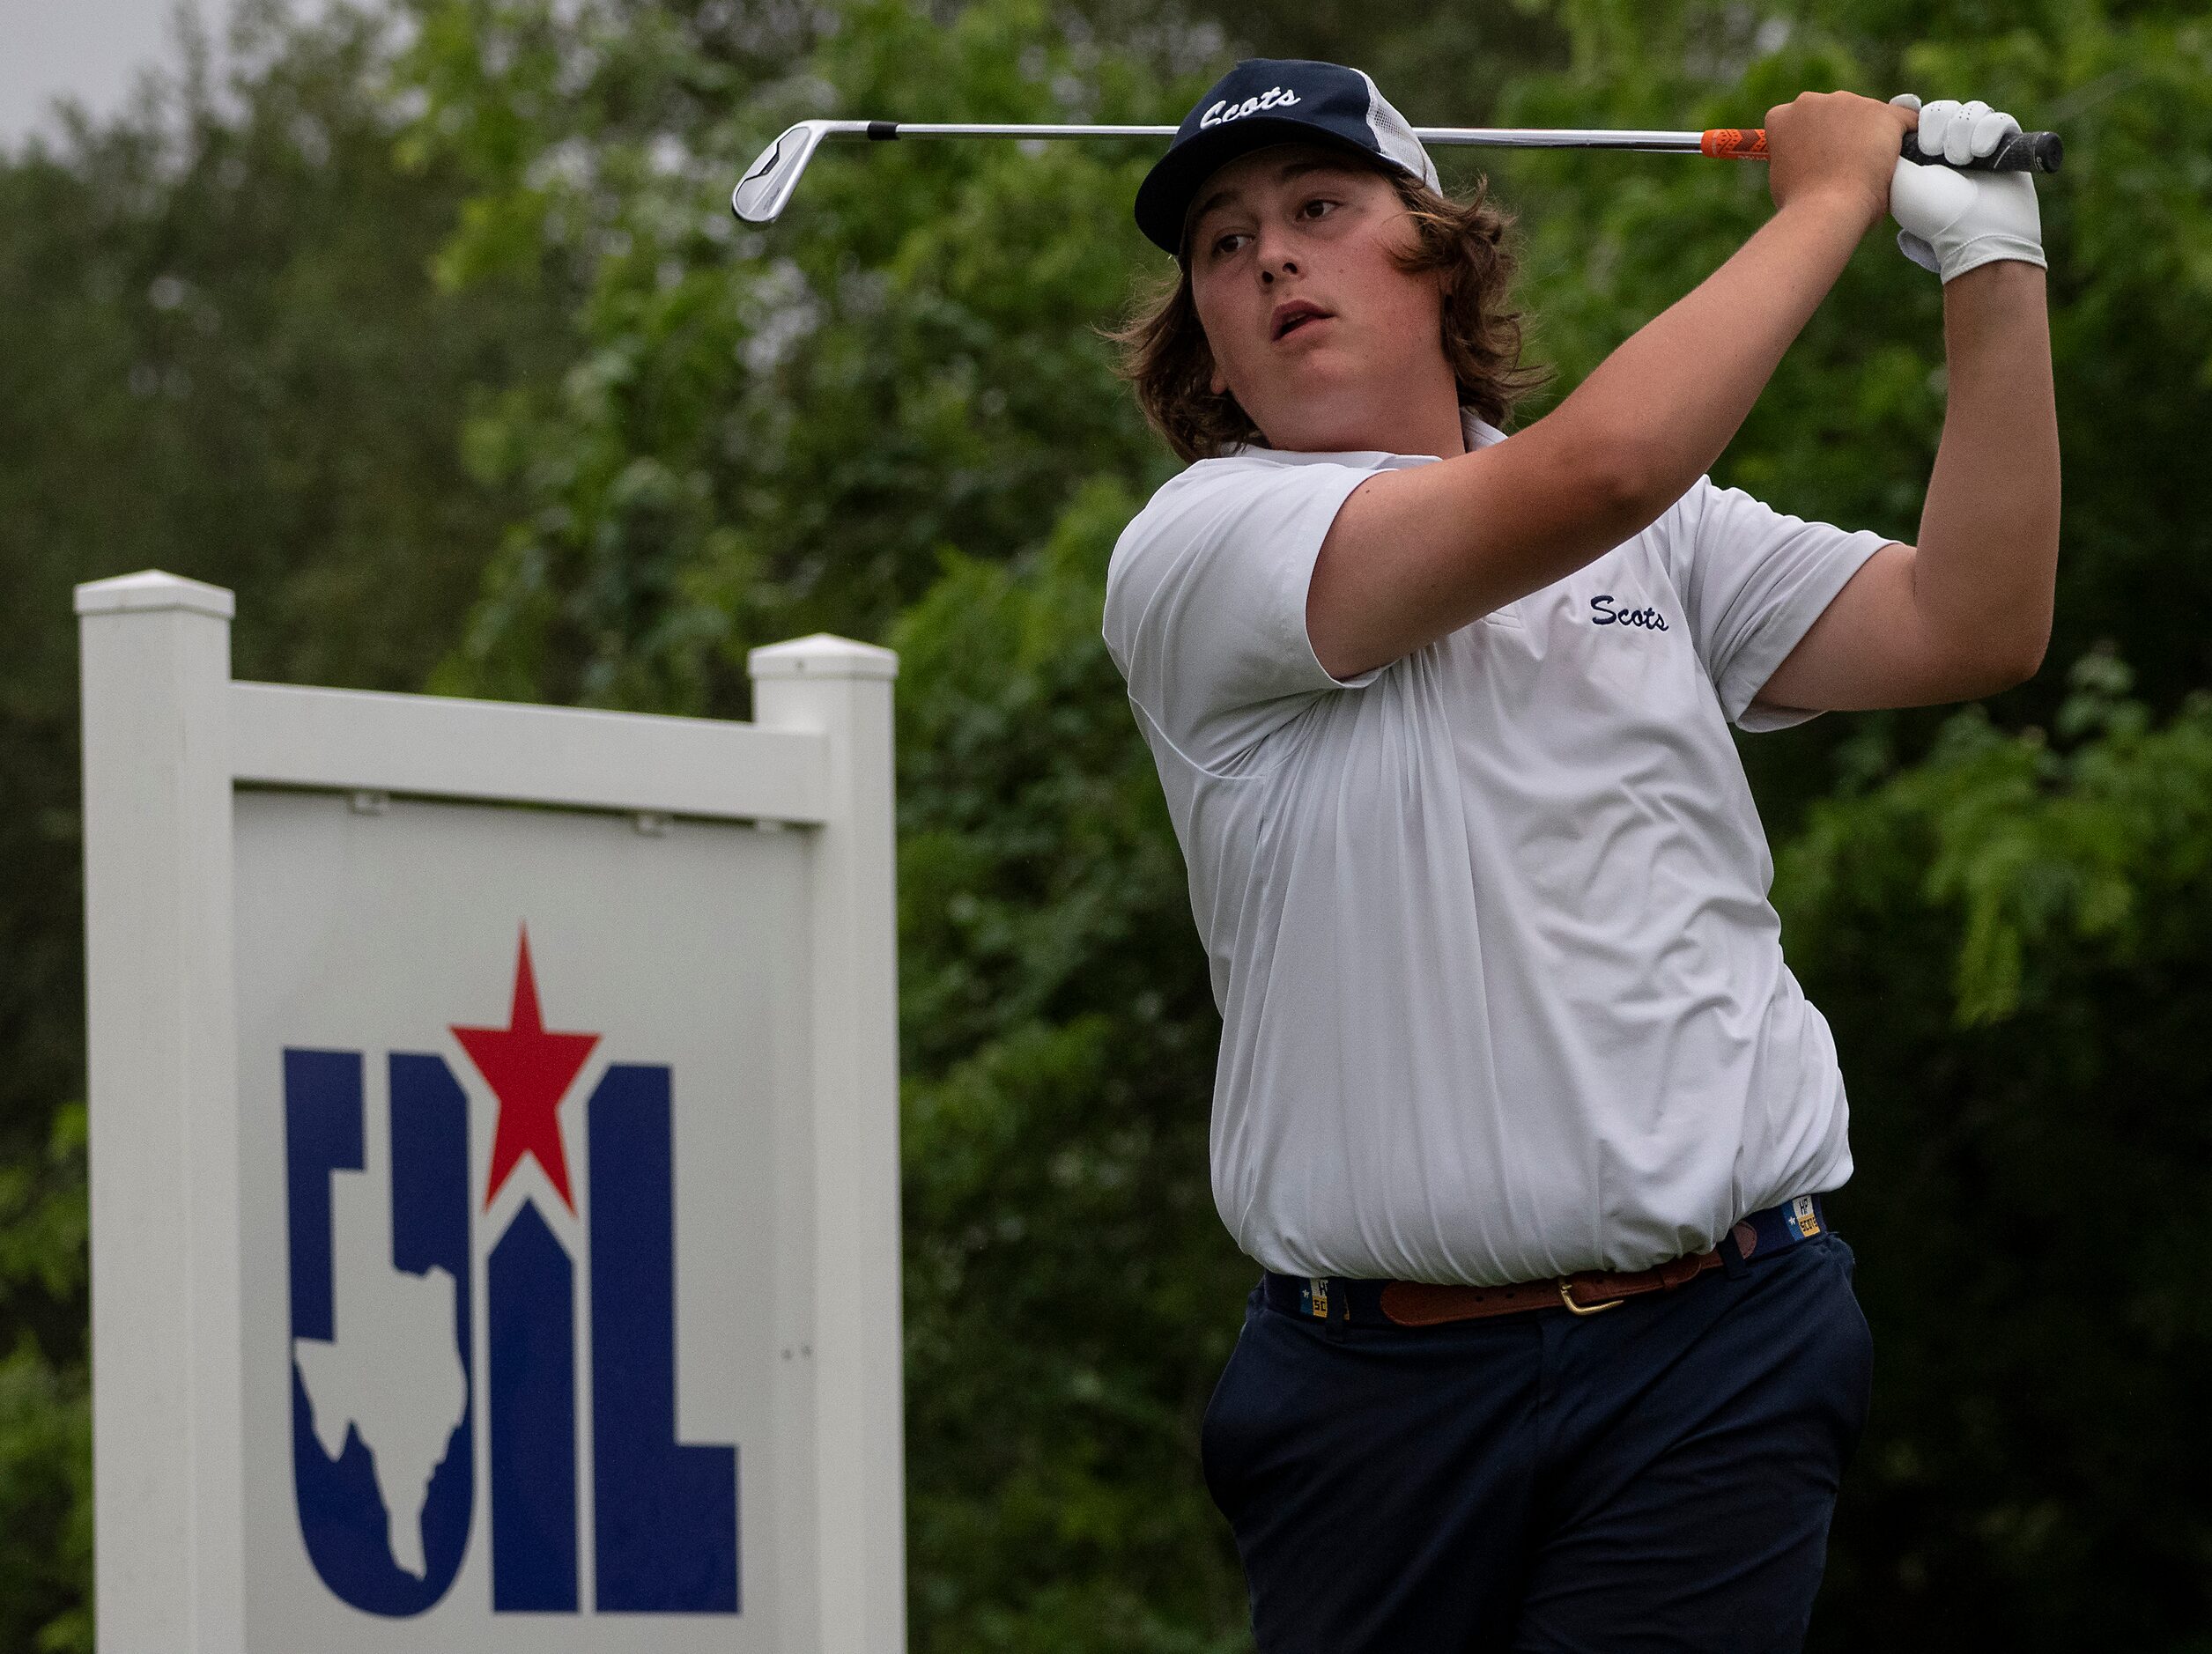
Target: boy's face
[[1314, 327]]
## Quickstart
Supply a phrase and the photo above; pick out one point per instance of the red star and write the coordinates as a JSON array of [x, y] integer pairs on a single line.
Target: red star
[[530, 1071]]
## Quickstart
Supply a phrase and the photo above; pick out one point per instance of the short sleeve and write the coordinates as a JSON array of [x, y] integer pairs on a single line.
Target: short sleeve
[[1752, 580], [1205, 610]]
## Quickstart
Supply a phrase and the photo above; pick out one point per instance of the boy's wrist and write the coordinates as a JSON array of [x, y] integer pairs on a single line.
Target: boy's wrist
[[1837, 206], [1999, 281], [1989, 306]]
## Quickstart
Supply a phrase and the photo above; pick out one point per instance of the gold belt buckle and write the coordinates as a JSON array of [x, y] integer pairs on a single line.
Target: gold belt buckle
[[1567, 1298]]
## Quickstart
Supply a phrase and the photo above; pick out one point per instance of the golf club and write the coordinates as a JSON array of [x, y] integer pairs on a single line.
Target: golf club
[[766, 189]]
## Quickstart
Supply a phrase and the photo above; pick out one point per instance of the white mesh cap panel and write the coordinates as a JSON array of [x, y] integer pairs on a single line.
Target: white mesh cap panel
[[1395, 136]]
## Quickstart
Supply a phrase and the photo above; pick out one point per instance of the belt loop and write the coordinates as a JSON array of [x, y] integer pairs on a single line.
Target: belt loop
[[1339, 1311], [1734, 1264]]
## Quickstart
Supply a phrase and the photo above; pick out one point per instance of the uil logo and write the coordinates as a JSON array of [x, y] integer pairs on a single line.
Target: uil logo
[[384, 1397]]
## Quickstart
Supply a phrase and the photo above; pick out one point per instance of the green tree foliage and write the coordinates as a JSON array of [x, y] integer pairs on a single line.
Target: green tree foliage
[[893, 401], [1846, 430], [45, 1427], [1070, 1295], [890, 415], [222, 353], [2010, 941], [770, 430]]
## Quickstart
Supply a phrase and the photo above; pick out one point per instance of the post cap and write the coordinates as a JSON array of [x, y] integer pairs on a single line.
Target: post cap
[[150, 590], [822, 656]]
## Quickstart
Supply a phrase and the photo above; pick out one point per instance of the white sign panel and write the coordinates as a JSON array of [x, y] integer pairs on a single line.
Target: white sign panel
[[515, 1087], [521, 1271]]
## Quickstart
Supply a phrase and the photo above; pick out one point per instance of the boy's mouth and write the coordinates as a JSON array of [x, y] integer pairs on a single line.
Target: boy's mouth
[[1291, 315]]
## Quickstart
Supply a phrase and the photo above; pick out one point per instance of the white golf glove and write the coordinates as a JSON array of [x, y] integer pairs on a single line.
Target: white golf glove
[[1952, 222]]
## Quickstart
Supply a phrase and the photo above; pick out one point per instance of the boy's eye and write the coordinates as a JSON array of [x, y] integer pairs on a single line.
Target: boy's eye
[[1317, 207]]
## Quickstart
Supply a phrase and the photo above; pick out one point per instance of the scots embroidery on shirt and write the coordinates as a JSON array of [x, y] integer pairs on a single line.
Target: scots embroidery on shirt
[[1605, 610]]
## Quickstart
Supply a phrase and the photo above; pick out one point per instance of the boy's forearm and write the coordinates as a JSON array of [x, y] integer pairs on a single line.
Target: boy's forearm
[[1668, 401], [1987, 560]]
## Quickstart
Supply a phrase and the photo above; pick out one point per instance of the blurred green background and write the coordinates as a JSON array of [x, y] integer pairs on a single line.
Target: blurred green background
[[426, 328]]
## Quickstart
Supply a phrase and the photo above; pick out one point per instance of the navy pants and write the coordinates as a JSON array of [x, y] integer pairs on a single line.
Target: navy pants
[[1658, 1476]]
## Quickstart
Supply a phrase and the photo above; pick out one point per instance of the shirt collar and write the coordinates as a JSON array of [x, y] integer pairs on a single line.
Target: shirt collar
[[1476, 432]]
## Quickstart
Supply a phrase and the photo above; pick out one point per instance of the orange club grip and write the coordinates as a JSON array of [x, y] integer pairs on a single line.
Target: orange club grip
[[1734, 143]]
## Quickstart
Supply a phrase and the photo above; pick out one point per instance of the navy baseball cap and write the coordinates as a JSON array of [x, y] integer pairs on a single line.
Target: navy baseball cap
[[1267, 100]]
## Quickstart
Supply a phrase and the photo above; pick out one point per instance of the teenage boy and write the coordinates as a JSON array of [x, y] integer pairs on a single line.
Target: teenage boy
[[1518, 1105]]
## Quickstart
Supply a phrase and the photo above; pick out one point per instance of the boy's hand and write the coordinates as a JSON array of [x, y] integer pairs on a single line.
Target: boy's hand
[[1835, 145], [1952, 222]]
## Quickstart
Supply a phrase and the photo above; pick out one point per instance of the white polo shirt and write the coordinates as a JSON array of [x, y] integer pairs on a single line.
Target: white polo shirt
[[1502, 993]]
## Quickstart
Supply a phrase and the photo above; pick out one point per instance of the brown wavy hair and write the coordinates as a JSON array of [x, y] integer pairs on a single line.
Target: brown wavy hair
[[1163, 353]]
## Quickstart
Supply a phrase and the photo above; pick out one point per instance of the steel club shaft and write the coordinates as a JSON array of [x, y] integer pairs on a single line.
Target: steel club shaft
[[765, 190]]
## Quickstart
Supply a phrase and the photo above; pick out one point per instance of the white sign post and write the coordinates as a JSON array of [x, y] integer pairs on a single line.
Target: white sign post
[[494, 1159]]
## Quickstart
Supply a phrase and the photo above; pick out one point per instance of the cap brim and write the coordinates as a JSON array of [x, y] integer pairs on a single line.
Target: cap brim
[[1164, 199]]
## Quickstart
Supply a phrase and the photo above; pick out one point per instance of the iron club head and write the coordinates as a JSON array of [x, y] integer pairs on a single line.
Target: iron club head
[[766, 187]]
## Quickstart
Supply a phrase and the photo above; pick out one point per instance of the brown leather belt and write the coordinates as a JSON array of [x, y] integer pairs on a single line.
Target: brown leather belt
[[1590, 1292], [1339, 1301]]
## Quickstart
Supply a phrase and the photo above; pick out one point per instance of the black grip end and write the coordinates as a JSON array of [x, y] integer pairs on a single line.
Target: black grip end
[[2021, 152], [2044, 151]]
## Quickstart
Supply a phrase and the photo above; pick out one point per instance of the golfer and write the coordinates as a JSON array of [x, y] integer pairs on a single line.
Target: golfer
[[1518, 1105]]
